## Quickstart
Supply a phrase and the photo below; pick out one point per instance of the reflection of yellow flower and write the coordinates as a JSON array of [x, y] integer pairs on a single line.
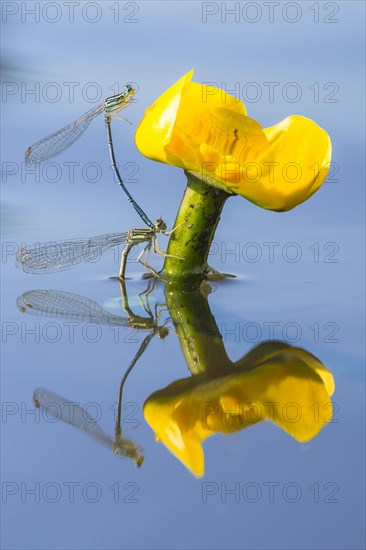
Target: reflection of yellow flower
[[275, 382], [208, 133]]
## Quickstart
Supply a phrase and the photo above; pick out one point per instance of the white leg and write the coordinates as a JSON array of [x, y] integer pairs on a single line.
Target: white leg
[[125, 304], [122, 268], [160, 252], [168, 233], [120, 118], [144, 263], [150, 287]]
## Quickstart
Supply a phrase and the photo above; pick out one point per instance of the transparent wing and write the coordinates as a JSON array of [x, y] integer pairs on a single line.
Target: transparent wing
[[57, 142], [59, 408], [56, 303], [67, 411], [56, 256]]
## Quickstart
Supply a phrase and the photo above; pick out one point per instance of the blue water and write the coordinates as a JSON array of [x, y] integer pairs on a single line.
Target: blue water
[[316, 302]]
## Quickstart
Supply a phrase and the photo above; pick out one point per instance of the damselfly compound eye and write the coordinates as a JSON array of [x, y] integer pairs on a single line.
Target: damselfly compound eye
[[129, 89]]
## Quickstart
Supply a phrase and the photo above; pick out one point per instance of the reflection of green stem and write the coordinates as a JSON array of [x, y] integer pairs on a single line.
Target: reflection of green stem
[[196, 222], [198, 333]]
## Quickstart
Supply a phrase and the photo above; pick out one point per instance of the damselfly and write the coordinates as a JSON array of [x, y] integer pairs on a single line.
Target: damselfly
[[54, 303], [51, 257], [71, 413], [57, 303], [57, 142]]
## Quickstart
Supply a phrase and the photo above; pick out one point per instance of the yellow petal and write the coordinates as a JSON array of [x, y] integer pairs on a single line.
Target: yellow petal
[[155, 128], [267, 350], [291, 169], [186, 446], [180, 120], [275, 382], [314, 363], [287, 396], [207, 132]]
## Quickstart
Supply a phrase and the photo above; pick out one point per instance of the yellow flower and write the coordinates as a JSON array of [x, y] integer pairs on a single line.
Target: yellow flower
[[275, 382], [208, 133]]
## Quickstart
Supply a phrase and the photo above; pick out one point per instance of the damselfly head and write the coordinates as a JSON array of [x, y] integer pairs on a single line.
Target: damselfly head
[[129, 90], [139, 460], [163, 332], [119, 101], [27, 153], [160, 225], [129, 450]]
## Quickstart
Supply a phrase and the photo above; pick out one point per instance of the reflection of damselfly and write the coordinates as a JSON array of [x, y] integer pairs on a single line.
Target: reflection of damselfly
[[57, 142], [56, 303], [71, 413], [65, 304], [57, 256]]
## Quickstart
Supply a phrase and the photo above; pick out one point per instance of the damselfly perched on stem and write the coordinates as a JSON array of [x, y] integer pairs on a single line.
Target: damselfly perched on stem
[[35, 259], [51, 257]]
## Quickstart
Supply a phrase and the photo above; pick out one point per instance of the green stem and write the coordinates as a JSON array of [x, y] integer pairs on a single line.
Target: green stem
[[199, 336], [196, 222]]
